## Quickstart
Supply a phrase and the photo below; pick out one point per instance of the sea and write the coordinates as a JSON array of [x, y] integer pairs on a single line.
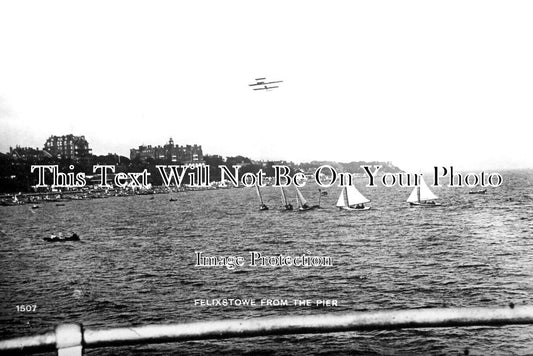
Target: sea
[[135, 265]]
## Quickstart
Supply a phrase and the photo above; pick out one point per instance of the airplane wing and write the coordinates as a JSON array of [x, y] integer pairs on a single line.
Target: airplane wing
[[266, 88], [265, 83]]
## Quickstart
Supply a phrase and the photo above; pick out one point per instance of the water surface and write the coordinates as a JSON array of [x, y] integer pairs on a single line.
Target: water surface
[[135, 265]]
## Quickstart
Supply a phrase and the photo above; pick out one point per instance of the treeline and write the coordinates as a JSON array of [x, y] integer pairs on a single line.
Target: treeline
[[16, 176], [351, 167]]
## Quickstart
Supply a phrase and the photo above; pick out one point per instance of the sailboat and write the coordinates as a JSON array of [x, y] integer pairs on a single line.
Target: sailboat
[[352, 199], [422, 196], [284, 202], [262, 206], [302, 203]]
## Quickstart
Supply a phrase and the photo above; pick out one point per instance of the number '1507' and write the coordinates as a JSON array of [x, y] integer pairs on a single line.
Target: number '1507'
[[26, 308]]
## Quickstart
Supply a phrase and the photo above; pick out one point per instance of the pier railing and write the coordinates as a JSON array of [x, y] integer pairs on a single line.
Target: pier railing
[[71, 339]]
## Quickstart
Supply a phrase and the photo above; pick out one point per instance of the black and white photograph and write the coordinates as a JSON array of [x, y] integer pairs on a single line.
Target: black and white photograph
[[266, 178]]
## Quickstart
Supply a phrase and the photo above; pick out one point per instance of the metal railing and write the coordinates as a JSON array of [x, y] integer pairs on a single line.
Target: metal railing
[[71, 339]]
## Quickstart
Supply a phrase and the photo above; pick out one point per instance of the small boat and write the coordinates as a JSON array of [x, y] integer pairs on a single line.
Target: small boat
[[352, 199], [302, 203], [60, 204], [478, 191], [12, 202], [35, 206], [59, 238], [262, 206], [173, 196], [286, 205], [422, 196]]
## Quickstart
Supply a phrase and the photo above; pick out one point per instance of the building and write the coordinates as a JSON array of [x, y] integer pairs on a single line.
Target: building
[[67, 146], [169, 152], [145, 152], [28, 153]]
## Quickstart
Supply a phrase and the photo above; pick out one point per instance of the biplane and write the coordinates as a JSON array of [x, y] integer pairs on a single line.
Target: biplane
[[264, 85]]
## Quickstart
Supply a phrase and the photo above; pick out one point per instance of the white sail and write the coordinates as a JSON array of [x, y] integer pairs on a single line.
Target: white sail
[[414, 197], [421, 193], [283, 197], [301, 199], [425, 192], [343, 198], [351, 196], [259, 194]]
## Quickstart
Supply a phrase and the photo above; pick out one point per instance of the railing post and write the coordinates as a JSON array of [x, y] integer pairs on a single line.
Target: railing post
[[69, 340]]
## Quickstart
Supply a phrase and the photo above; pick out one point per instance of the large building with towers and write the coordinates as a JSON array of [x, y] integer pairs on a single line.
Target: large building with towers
[[174, 153]]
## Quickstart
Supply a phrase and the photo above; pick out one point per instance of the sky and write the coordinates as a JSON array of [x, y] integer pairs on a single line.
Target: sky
[[418, 83]]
